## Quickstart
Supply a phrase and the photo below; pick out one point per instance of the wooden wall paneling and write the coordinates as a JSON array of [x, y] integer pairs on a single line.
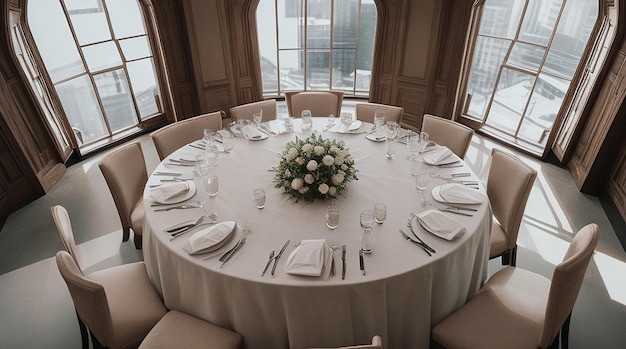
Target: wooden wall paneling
[[616, 187], [174, 41]]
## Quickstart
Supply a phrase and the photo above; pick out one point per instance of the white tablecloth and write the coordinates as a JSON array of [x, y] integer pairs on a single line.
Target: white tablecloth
[[403, 294]]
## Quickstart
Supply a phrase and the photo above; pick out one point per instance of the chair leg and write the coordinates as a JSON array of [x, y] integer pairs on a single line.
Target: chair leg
[[510, 257], [125, 233], [95, 342], [138, 241], [565, 332], [84, 333]]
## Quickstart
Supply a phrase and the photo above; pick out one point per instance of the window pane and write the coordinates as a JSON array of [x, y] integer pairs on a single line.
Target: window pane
[[500, 18], [266, 26], [318, 69], [488, 56], [539, 21], [291, 31], [345, 21], [102, 56], [526, 56], [81, 107], [292, 69], [318, 24], [114, 93], [143, 80], [510, 100], [135, 48], [90, 24], [126, 18], [343, 69], [46, 19], [544, 105]]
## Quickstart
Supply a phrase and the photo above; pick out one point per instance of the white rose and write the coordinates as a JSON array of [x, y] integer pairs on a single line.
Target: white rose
[[323, 188], [339, 160], [309, 179], [307, 147], [328, 160], [300, 160], [332, 191], [337, 179], [311, 165], [319, 150], [297, 183], [334, 149], [344, 167], [287, 173]]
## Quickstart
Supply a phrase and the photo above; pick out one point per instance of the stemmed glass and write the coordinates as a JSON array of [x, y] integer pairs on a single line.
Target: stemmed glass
[[257, 117], [366, 241], [379, 119], [421, 183], [413, 144], [307, 122], [390, 140]]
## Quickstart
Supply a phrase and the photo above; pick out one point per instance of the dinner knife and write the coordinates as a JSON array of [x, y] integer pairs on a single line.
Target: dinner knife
[[237, 247], [361, 262], [279, 254], [456, 212], [415, 242], [343, 262]]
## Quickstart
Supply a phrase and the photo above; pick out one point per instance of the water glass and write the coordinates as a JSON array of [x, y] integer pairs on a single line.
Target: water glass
[[257, 117], [202, 165], [307, 122], [331, 121], [258, 196], [211, 184], [227, 142], [416, 164], [366, 240], [288, 122], [413, 144], [379, 119], [380, 212], [421, 183], [392, 129], [332, 217], [346, 118], [390, 147]]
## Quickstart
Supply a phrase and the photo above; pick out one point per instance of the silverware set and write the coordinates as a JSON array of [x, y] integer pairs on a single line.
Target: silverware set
[[274, 258], [181, 230], [179, 207], [417, 241], [230, 253]]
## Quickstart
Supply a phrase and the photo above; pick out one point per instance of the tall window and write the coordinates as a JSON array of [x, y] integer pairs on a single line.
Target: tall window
[[99, 59], [316, 45], [525, 56]]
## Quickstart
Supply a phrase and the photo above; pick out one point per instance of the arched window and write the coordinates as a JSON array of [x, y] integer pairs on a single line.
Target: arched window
[[525, 58], [98, 56], [316, 45]]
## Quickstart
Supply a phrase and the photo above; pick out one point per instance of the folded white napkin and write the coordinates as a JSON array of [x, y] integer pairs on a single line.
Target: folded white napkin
[[251, 132], [438, 224], [378, 135], [209, 239], [457, 193], [439, 156], [354, 126], [307, 259], [167, 191]]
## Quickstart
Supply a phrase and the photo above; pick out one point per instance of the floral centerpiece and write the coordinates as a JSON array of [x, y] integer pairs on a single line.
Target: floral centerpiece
[[314, 168]]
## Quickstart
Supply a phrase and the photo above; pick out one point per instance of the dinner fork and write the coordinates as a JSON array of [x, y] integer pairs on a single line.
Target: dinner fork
[[415, 242], [269, 261], [410, 226]]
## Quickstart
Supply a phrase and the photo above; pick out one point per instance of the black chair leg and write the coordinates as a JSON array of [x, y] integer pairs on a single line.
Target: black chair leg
[[96, 344], [565, 332], [84, 333], [137, 239]]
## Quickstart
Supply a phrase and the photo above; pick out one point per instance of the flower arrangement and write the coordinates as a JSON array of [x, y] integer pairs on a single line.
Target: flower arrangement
[[314, 168]]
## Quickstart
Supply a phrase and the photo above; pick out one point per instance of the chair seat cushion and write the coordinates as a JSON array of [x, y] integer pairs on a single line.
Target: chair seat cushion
[[137, 217], [498, 240], [134, 304], [179, 330], [506, 313]]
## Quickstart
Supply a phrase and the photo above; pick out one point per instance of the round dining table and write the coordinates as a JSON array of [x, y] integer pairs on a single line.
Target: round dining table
[[401, 293]]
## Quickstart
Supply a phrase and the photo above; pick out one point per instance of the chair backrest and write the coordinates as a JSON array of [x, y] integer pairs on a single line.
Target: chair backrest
[[455, 136], [89, 297], [508, 187], [245, 111], [365, 112], [125, 173], [566, 281], [320, 103], [377, 343], [64, 227], [171, 137]]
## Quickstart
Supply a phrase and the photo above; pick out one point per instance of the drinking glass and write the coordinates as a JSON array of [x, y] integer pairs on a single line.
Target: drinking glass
[[379, 119], [380, 212], [346, 119], [202, 165], [307, 122], [413, 144], [288, 122], [227, 142], [390, 147], [332, 217], [258, 196], [257, 117], [366, 239], [421, 183], [211, 184], [331, 122]]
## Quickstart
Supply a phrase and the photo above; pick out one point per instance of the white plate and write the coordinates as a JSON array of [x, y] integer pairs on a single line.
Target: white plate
[[181, 197], [257, 136], [211, 238], [467, 195], [376, 136]]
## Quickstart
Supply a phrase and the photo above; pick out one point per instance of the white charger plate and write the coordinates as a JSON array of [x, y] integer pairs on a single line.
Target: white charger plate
[[180, 197]]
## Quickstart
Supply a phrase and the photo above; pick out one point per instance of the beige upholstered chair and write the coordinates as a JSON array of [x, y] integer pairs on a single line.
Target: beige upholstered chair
[[245, 111], [177, 330], [66, 233], [125, 173], [509, 183], [320, 103], [520, 309], [118, 305], [173, 136], [365, 112], [455, 136], [377, 343]]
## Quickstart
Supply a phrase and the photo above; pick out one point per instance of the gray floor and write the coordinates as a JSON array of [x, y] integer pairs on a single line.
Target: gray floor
[[36, 310]]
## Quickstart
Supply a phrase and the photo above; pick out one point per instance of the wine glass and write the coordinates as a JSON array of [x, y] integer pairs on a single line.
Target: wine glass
[[367, 220], [413, 144], [257, 117], [307, 122], [421, 183], [379, 119]]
